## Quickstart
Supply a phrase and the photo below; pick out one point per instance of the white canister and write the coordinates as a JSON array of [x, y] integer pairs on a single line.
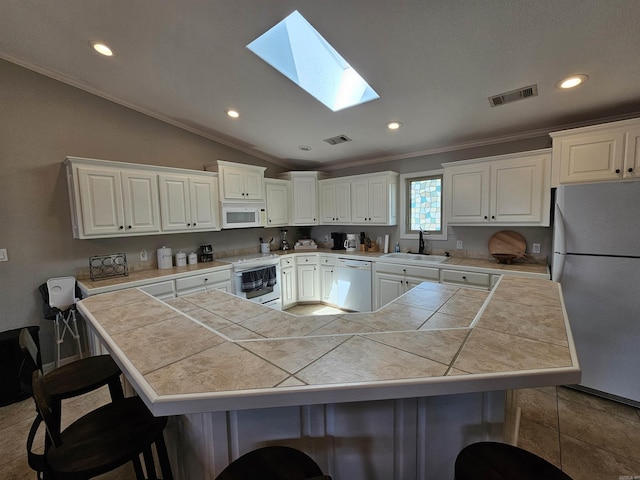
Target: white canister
[[264, 248], [193, 258], [181, 259], [165, 259]]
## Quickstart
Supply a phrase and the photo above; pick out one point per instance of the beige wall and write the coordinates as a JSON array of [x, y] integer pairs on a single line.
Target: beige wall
[[41, 122]]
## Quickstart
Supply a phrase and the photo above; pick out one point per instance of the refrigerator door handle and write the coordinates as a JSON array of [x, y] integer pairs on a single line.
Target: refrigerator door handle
[[559, 237], [558, 267]]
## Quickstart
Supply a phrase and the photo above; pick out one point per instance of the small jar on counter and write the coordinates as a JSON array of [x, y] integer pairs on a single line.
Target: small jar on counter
[[193, 258]]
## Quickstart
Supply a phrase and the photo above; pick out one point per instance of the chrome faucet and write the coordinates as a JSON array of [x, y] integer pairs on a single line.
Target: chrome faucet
[[420, 241]]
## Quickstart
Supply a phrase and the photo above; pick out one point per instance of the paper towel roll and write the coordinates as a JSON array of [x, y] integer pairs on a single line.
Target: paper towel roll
[[165, 259], [386, 244]]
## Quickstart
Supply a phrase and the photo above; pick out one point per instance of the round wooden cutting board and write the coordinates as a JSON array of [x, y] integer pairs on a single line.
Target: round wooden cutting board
[[507, 245]]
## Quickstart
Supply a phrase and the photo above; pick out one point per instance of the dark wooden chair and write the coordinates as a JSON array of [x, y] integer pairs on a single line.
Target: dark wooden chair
[[273, 463], [500, 461], [102, 440]]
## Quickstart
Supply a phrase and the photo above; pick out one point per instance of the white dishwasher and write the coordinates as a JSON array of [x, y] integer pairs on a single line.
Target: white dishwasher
[[354, 285]]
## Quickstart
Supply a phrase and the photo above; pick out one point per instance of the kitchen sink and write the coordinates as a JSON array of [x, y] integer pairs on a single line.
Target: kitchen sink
[[415, 256]]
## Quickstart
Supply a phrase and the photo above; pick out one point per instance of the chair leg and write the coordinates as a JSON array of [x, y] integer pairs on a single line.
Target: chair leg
[[59, 339], [75, 333], [137, 468], [163, 458], [149, 464]]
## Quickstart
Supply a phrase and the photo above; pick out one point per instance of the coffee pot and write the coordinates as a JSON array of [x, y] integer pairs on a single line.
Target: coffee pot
[[351, 243], [284, 243]]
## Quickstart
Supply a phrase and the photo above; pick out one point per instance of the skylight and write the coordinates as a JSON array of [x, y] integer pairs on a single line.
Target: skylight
[[298, 51]]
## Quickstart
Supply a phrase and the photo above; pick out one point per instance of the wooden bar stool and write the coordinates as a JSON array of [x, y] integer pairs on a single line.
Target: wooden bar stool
[[500, 461], [102, 440], [273, 463]]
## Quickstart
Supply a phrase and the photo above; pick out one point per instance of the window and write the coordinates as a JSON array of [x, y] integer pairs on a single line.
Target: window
[[421, 207]]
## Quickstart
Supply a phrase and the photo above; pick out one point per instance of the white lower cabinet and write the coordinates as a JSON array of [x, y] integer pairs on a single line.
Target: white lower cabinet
[[308, 278], [218, 280], [467, 279], [161, 290], [328, 280], [288, 290], [392, 280]]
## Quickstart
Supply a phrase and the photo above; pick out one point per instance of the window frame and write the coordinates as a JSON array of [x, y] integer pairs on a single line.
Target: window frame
[[405, 178]]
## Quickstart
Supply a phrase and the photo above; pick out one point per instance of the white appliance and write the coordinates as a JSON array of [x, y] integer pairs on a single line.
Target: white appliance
[[257, 278], [597, 261], [354, 285], [351, 243], [244, 215]]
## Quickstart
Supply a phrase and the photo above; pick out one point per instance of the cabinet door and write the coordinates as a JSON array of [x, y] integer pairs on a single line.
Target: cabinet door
[[203, 203], [288, 287], [343, 202], [591, 157], [467, 194], [101, 201], [359, 201], [308, 290], [175, 203], [328, 284], [253, 181], [517, 190], [141, 205], [378, 200], [388, 288], [328, 201], [632, 154], [305, 200], [233, 183], [277, 204]]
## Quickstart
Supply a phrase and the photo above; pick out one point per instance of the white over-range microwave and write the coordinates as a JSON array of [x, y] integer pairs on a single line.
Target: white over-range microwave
[[244, 215]]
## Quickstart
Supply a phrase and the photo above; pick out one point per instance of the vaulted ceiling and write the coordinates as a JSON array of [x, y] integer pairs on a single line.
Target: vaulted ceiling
[[434, 64]]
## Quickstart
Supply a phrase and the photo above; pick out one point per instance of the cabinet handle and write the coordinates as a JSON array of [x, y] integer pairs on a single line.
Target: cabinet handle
[[630, 170], [120, 227], [188, 224], [206, 279], [129, 227], [464, 278], [485, 217], [194, 224], [617, 170], [269, 220]]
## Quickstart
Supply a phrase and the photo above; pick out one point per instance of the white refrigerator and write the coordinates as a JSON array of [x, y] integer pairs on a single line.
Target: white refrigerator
[[597, 261]]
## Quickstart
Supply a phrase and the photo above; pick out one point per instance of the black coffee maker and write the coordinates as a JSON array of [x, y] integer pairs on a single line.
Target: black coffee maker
[[338, 240]]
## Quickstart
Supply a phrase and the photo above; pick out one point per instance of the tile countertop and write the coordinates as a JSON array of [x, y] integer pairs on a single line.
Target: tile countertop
[[212, 351], [143, 277]]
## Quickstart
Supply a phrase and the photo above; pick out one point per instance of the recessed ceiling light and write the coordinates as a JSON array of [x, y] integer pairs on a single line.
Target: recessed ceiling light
[[394, 125], [572, 81], [304, 148], [102, 49], [233, 113]]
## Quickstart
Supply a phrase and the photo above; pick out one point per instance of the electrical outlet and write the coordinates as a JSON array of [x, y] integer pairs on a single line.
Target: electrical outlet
[[143, 256], [459, 244], [535, 248], [4, 257], [326, 238]]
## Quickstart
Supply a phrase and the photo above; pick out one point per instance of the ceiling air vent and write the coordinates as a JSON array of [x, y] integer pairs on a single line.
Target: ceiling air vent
[[514, 95], [337, 139]]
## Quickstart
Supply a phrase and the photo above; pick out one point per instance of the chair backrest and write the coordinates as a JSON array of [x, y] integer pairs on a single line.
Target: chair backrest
[[45, 409], [29, 349], [62, 292]]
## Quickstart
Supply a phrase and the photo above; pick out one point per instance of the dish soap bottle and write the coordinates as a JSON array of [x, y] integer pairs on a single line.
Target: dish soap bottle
[[397, 247]]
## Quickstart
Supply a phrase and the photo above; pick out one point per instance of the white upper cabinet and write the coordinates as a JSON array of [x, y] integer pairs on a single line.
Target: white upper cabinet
[[111, 201], [304, 186], [278, 200], [598, 153], [506, 190], [374, 199], [335, 201], [189, 202], [240, 182]]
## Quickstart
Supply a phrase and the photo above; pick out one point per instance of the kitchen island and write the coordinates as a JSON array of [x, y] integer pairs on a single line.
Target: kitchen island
[[394, 393]]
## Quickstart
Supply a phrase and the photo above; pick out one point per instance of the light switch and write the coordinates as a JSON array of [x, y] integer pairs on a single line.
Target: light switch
[[3, 255], [536, 248]]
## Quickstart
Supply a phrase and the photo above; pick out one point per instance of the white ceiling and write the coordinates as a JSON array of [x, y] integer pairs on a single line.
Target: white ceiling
[[433, 62]]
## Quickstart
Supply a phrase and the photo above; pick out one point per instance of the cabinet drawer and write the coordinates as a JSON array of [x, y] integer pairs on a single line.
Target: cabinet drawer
[[159, 289], [471, 279], [203, 280], [328, 261], [286, 261], [426, 273], [306, 259]]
